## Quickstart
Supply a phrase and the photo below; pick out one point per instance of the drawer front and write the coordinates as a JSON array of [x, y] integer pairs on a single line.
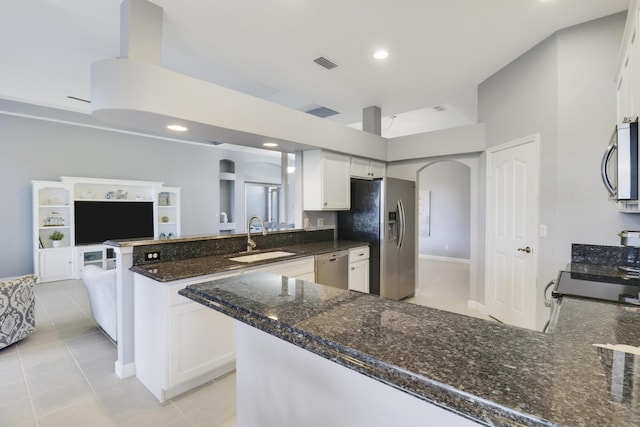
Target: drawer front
[[358, 254], [290, 268]]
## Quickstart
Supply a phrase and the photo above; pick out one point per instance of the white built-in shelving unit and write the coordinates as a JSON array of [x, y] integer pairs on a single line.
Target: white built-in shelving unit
[[53, 210]]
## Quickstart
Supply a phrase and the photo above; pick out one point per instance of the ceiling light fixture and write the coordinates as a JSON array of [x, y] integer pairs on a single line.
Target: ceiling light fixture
[[269, 144], [177, 128], [381, 54]]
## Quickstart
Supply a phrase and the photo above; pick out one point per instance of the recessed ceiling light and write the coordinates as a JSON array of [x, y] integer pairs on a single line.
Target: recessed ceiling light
[[269, 144], [381, 54], [177, 128]]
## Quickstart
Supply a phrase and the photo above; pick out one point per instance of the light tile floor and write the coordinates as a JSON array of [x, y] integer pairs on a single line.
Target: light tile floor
[[444, 285], [63, 375]]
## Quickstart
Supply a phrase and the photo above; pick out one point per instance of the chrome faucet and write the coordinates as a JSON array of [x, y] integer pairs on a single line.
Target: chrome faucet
[[250, 243]]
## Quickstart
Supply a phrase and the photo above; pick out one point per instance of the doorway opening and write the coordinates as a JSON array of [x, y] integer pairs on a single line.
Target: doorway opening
[[444, 237], [264, 200]]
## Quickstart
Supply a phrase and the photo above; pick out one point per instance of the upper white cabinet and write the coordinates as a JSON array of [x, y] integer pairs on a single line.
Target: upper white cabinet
[[326, 180], [367, 169], [628, 77]]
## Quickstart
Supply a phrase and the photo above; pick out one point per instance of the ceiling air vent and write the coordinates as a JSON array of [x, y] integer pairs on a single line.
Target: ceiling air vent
[[324, 62], [75, 98], [322, 112]]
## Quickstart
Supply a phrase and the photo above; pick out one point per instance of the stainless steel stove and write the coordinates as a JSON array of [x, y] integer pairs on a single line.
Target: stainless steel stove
[[605, 288]]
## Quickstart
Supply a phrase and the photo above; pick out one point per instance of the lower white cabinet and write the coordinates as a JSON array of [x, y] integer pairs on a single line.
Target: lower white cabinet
[[302, 268], [359, 269], [179, 344], [201, 340], [55, 264]]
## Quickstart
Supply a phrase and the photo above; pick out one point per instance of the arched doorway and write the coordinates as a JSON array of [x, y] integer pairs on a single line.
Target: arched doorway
[[444, 230]]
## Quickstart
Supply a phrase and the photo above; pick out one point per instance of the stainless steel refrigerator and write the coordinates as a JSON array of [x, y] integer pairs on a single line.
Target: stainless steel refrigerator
[[383, 214]]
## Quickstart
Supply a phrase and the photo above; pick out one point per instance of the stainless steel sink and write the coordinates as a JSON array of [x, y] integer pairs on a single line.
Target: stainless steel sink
[[262, 256]]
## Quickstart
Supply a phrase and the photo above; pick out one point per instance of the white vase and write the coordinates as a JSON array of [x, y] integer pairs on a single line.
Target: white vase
[[56, 243]]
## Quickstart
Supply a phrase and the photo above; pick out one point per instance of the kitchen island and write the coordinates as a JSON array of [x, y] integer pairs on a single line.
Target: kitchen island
[[477, 371]]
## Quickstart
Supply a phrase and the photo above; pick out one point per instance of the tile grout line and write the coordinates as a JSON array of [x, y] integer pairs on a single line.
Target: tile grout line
[[84, 375]]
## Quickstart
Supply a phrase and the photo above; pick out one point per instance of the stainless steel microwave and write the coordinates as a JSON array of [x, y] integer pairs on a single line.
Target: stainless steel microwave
[[620, 163]]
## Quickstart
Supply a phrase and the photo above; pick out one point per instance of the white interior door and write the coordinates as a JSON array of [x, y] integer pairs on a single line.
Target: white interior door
[[512, 221]]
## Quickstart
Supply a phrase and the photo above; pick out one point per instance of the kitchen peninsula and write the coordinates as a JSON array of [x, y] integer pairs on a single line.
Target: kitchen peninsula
[[160, 333], [304, 350]]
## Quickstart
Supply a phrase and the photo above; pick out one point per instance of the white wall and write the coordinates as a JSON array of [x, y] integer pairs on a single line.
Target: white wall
[[586, 119], [448, 184], [446, 142], [33, 149], [563, 89]]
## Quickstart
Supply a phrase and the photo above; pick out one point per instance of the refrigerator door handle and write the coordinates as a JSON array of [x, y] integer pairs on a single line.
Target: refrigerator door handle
[[401, 223]]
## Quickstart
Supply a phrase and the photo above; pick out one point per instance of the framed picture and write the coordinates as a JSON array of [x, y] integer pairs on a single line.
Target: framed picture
[[424, 212]]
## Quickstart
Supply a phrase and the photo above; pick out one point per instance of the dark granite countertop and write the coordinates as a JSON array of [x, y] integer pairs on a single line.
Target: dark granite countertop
[[203, 266], [492, 373]]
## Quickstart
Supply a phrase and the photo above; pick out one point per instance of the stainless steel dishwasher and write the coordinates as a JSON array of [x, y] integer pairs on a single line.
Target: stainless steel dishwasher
[[332, 269]]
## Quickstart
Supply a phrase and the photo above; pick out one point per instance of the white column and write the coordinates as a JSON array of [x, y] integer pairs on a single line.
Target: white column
[[141, 31], [372, 120]]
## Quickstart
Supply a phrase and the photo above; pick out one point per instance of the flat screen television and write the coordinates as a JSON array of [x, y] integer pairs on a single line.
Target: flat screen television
[[98, 221]]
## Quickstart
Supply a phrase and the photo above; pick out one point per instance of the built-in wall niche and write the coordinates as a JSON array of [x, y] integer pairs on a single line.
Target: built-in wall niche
[[227, 195]]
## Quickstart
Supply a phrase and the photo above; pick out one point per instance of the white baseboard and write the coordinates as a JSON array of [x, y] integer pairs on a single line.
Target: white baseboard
[[475, 305], [126, 370], [444, 258]]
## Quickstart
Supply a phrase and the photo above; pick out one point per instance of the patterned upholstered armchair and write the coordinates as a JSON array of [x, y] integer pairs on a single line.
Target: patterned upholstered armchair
[[17, 309]]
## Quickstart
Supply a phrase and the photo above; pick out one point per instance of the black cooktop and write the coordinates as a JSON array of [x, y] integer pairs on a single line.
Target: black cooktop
[[607, 288]]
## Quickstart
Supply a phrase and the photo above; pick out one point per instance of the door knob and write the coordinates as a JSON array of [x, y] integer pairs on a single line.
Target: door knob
[[527, 250]]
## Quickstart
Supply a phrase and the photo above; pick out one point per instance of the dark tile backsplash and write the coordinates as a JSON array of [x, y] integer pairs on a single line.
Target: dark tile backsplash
[[219, 245], [605, 255]]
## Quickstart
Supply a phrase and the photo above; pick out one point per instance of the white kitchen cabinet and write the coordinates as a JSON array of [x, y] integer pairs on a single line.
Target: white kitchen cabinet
[[628, 75], [367, 169], [300, 268], [201, 340], [359, 269], [326, 181], [179, 344]]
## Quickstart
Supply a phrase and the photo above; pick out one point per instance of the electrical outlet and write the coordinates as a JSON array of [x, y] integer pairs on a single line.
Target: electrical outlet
[[152, 256], [446, 247]]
